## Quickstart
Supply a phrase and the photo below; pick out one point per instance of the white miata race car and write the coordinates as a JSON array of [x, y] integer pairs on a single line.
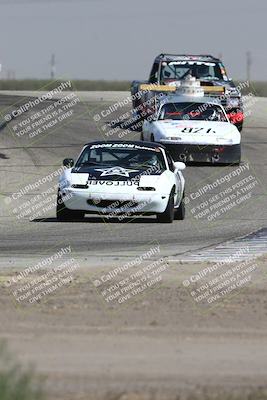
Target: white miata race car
[[118, 179], [194, 129]]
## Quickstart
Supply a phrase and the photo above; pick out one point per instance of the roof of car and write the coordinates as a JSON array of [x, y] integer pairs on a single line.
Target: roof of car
[[153, 145], [186, 57]]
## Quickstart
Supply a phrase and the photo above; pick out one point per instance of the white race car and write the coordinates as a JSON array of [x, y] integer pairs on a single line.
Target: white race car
[[194, 129], [118, 178]]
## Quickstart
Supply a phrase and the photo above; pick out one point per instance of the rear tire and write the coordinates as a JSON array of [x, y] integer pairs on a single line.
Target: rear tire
[[65, 214], [167, 216], [239, 126], [238, 158]]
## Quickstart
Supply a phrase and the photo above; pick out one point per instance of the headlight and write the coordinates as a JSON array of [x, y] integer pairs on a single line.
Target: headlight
[[64, 183]]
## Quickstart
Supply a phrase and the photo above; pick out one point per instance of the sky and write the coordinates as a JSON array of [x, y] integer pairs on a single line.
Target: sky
[[119, 39]]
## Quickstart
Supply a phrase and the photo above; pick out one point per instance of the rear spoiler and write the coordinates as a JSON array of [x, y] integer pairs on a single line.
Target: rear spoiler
[[157, 88], [168, 88], [213, 89]]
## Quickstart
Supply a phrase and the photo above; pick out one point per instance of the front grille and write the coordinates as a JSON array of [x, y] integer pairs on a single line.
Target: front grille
[[112, 203]]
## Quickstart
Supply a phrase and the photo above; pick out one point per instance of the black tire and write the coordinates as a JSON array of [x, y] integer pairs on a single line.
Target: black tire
[[239, 126], [167, 216], [179, 213], [238, 158], [65, 214]]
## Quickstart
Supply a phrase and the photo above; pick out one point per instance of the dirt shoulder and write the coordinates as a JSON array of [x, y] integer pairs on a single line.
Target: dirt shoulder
[[159, 344]]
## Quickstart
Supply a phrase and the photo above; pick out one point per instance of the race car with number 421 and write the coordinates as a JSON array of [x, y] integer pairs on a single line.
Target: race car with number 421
[[120, 179], [194, 129]]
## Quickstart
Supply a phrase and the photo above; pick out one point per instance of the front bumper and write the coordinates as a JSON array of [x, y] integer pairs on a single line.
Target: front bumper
[[113, 203], [215, 154]]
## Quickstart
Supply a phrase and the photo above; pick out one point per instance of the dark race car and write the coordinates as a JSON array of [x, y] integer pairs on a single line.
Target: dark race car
[[168, 70]]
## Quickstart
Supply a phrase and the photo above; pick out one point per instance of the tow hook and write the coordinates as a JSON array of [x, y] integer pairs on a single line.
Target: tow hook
[[182, 157], [215, 157]]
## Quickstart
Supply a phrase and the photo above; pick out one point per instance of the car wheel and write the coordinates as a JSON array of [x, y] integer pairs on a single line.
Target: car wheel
[[168, 215], [237, 160], [179, 212], [239, 126], [65, 214]]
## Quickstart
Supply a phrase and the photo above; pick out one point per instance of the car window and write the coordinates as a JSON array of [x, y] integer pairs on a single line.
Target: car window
[[154, 73], [126, 157], [192, 111], [181, 69]]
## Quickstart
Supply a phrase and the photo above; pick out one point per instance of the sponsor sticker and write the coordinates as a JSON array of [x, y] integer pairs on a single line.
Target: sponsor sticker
[[113, 183]]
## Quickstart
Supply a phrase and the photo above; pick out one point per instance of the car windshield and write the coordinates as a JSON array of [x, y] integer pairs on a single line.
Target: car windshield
[[181, 69], [192, 111], [136, 157]]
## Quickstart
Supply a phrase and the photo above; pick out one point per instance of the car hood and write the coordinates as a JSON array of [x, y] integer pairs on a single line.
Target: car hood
[[198, 132], [115, 173]]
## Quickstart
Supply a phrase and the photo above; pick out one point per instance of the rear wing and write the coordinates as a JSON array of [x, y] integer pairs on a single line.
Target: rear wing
[[211, 90], [150, 87]]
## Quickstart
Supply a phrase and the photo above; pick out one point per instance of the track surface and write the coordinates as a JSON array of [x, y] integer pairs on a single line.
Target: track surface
[[24, 160], [162, 345]]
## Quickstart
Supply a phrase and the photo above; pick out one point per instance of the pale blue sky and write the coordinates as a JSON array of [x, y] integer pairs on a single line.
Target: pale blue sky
[[118, 39]]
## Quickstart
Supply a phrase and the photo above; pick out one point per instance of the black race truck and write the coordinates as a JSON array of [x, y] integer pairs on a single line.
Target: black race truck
[[170, 69]]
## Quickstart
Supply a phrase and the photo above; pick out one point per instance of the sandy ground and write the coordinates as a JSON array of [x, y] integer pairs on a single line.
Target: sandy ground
[[161, 344]]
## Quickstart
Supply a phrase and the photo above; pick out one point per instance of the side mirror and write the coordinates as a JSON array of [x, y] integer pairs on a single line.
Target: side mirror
[[180, 166], [68, 162]]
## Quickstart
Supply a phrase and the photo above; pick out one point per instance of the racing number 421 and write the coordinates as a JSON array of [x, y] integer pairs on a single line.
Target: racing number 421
[[196, 130]]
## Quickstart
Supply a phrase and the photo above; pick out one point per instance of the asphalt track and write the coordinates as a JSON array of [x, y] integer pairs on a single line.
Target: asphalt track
[[25, 160]]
